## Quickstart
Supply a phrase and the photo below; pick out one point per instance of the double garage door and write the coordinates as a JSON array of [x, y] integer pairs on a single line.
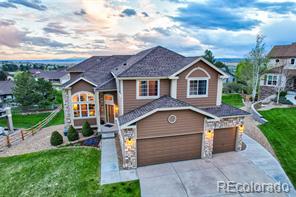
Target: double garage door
[[183, 147]]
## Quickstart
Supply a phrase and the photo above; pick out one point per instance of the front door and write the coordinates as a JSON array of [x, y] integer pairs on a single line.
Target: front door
[[109, 108]]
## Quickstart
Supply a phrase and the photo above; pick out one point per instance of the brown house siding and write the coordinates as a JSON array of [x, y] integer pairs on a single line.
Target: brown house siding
[[129, 94], [79, 122], [82, 86], [212, 91], [157, 124]]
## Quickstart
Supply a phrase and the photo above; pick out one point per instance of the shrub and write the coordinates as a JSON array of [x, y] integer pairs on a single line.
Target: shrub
[[86, 130], [283, 93], [56, 139], [72, 134]]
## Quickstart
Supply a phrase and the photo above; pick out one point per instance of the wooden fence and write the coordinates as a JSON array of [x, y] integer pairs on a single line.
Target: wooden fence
[[22, 134]]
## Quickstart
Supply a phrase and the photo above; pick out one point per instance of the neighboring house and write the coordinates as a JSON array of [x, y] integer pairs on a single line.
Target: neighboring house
[[231, 64], [166, 107], [56, 77], [282, 71], [6, 91]]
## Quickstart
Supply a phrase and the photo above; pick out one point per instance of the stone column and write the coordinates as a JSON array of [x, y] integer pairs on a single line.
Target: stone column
[[239, 136], [207, 144], [97, 106], [67, 107], [130, 149], [9, 119]]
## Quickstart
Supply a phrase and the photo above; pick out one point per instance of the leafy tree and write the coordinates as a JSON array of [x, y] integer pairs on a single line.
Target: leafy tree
[[3, 76], [45, 92], [244, 74], [9, 67], [208, 55], [24, 90], [259, 61]]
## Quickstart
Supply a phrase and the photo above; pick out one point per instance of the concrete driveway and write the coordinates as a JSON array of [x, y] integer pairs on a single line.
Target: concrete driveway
[[199, 177]]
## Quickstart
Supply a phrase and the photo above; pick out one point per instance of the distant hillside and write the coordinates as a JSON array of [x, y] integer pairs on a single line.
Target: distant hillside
[[229, 60], [48, 61]]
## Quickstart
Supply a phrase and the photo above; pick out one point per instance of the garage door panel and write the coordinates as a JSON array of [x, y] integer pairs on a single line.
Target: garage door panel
[[167, 149], [224, 140]]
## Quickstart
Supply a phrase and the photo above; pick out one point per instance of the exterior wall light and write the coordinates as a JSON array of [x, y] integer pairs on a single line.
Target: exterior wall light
[[210, 134], [241, 128], [129, 142]]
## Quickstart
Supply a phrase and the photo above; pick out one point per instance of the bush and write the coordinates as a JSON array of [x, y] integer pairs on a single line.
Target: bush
[[86, 130], [72, 134], [56, 139], [283, 93]]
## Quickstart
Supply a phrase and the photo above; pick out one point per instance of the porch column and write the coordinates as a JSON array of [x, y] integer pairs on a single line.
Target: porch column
[[239, 134], [68, 119], [129, 147], [97, 108]]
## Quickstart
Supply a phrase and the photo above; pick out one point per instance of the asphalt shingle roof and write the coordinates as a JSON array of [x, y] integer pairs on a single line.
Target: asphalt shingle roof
[[169, 102], [54, 74], [283, 51], [6, 87], [162, 102], [225, 111]]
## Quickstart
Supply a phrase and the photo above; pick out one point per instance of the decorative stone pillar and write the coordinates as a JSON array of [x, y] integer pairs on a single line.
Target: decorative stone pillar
[[207, 144], [97, 108], [67, 107], [239, 135], [130, 149], [9, 119]]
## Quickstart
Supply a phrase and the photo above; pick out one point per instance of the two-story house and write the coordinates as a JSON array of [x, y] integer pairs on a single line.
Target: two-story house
[[164, 106], [282, 71]]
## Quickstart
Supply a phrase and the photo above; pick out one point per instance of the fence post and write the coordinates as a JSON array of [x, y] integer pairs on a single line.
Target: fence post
[[22, 135], [8, 141]]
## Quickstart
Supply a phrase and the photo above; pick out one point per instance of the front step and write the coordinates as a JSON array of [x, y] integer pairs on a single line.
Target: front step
[[108, 135]]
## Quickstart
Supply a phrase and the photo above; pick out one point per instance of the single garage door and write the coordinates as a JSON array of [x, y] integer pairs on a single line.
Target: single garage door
[[167, 149], [224, 140]]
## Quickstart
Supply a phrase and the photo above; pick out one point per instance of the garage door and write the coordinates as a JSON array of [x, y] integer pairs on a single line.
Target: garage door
[[224, 140], [167, 149]]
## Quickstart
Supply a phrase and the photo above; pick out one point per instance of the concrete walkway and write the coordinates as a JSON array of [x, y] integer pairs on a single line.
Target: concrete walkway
[[110, 171], [199, 177]]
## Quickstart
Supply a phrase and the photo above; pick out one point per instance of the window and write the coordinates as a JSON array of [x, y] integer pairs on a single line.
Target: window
[[83, 105], [271, 80], [277, 60], [147, 89], [197, 87], [292, 61]]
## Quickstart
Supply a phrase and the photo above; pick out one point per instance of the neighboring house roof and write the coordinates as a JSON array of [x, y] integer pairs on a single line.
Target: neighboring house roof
[[283, 51], [86, 64], [6, 87], [160, 104], [53, 74], [225, 111]]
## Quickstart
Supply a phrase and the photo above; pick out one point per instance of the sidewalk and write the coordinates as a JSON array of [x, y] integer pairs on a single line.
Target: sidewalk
[[110, 171]]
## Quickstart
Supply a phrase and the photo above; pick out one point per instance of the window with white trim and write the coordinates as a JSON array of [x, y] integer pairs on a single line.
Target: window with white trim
[[147, 89], [197, 87], [83, 105], [271, 80]]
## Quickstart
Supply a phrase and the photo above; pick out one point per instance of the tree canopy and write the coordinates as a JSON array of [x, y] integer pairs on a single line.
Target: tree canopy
[[3, 76], [29, 91]]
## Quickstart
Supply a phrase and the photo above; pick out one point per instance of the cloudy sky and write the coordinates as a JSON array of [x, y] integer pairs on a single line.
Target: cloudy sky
[[46, 29]]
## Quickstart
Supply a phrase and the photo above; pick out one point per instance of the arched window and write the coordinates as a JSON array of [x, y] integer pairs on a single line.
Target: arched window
[[83, 105]]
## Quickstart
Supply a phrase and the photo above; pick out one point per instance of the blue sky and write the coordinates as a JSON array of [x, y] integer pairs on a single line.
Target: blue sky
[[45, 29]]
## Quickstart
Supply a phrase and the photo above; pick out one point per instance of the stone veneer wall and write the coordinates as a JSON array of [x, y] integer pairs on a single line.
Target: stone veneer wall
[[67, 108], [130, 148], [266, 91]]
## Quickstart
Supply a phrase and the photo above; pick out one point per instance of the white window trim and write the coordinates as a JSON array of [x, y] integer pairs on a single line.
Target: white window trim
[[147, 97], [83, 102], [194, 79], [277, 81]]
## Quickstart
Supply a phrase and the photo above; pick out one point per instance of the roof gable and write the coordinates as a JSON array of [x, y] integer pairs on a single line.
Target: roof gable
[[283, 51]]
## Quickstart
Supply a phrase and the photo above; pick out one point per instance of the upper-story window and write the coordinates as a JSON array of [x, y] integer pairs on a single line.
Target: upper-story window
[[147, 89], [277, 60], [197, 87], [292, 61], [271, 80], [83, 104]]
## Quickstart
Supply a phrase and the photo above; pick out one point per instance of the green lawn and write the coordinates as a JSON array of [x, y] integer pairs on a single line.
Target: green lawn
[[281, 133], [59, 172], [27, 121], [234, 100]]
